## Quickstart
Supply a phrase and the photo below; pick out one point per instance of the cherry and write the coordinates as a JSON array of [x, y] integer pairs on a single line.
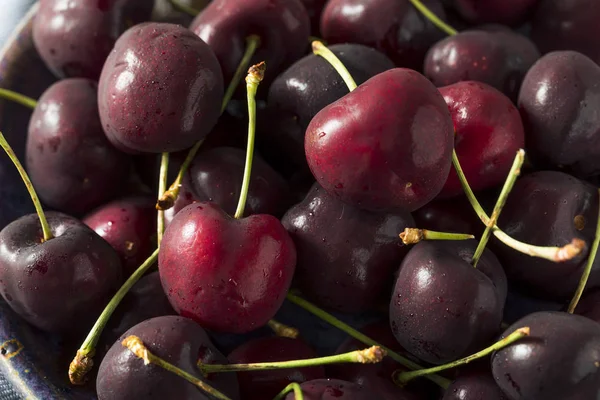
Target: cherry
[[283, 27], [499, 58], [334, 389], [393, 27], [74, 39], [56, 285], [128, 225], [160, 89], [303, 90], [557, 102], [567, 25], [346, 256], [474, 386], [549, 208], [227, 274], [589, 306], [442, 307], [510, 12], [559, 360], [386, 145], [258, 385], [449, 215], [489, 132], [178, 340]]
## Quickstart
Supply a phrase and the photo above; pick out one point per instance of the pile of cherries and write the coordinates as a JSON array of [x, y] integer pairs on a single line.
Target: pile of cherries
[[382, 199]]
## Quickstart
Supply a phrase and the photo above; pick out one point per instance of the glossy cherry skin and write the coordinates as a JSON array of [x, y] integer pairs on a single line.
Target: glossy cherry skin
[[229, 275], [442, 307], [334, 389], [61, 284], [385, 146], [74, 38], [558, 99], [549, 209], [489, 132], [128, 225], [282, 25], [178, 340], [259, 385], [303, 90], [474, 386], [589, 305], [559, 360], [71, 164], [160, 89], [567, 25], [393, 27], [499, 58], [505, 12], [346, 256]]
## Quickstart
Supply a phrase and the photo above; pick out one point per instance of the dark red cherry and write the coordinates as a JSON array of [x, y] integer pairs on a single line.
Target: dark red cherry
[[474, 386], [559, 360], [499, 58], [558, 103], [393, 27], [74, 38], [128, 225], [72, 165], [442, 307], [180, 341], [505, 12], [346, 256], [282, 25], [334, 389], [303, 90], [549, 209], [386, 145], [229, 275], [259, 385], [160, 90], [60, 284], [449, 215], [567, 25], [489, 132]]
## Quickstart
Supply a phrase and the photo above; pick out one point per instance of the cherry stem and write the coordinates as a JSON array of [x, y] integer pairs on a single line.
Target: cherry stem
[[588, 267], [137, 347], [372, 355], [513, 174], [401, 378], [555, 254], [433, 18], [295, 387], [162, 188], [46, 231], [18, 98], [256, 73], [167, 199], [283, 330], [320, 49], [415, 235], [83, 363], [325, 316]]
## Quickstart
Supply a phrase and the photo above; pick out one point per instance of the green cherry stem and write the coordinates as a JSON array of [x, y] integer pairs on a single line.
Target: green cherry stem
[[588, 267], [256, 73], [401, 378], [137, 347], [513, 174], [18, 98], [555, 254], [162, 187], [325, 316], [433, 18], [46, 231], [283, 330], [83, 361], [320, 49], [415, 235], [372, 355], [295, 387], [168, 198]]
